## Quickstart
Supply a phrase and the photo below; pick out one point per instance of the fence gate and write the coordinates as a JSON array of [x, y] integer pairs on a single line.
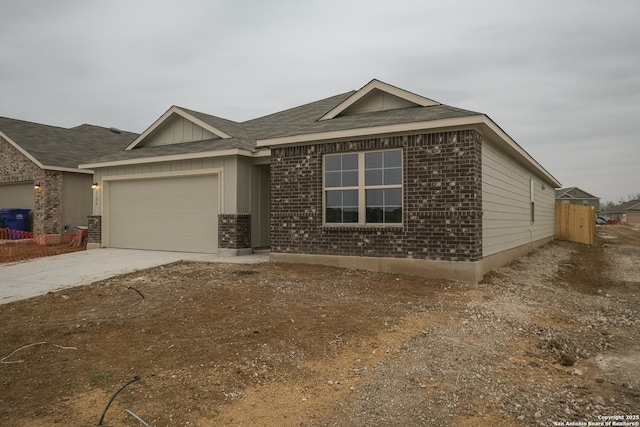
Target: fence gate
[[575, 223]]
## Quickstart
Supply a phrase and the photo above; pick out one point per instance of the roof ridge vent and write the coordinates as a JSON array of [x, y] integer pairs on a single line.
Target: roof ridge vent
[[115, 130]]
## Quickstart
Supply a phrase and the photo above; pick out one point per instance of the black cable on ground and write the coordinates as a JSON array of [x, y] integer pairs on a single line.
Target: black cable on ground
[[139, 293], [136, 378]]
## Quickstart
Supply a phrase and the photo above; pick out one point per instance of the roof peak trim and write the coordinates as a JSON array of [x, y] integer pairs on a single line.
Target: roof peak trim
[[383, 87], [166, 116]]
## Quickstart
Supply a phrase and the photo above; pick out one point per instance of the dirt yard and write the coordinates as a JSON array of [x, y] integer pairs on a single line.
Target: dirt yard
[[549, 339]]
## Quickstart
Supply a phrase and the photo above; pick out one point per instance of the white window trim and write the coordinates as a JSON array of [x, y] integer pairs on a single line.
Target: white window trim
[[361, 188]]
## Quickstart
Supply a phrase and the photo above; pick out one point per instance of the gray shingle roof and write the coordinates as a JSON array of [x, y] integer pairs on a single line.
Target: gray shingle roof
[[632, 205], [59, 147], [570, 192], [86, 145], [381, 118], [244, 135], [230, 127], [174, 149], [292, 120]]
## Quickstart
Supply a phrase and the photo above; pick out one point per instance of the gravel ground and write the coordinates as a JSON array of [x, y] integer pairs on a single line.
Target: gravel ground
[[550, 339]]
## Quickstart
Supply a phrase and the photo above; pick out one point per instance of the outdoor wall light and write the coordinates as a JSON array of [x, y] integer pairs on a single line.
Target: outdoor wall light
[[94, 185], [37, 186]]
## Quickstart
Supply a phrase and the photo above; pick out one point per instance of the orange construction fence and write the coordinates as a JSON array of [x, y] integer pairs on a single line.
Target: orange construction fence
[[18, 245]]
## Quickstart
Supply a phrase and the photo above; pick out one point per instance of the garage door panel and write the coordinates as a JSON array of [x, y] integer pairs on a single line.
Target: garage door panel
[[17, 195], [175, 214]]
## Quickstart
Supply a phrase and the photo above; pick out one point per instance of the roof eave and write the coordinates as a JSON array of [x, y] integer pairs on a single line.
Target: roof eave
[[174, 157], [64, 169], [481, 121], [21, 150], [519, 150]]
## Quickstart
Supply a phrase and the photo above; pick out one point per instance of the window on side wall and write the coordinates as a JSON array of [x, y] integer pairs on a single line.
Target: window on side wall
[[363, 188], [532, 193]]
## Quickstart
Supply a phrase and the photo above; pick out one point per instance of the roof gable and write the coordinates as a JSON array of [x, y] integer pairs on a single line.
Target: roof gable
[[573, 193], [57, 148], [631, 205], [178, 125], [175, 130], [378, 96]]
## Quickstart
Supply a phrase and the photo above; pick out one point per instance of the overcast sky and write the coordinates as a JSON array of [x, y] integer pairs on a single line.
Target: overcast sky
[[561, 77]]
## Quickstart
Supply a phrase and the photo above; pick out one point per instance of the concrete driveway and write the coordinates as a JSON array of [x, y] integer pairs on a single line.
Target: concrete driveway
[[30, 278]]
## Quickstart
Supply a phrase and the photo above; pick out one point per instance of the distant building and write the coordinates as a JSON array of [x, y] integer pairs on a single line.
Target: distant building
[[628, 211], [576, 196]]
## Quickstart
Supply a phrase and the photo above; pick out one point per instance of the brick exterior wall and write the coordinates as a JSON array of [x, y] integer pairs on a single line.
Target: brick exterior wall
[[94, 225], [234, 231], [16, 167], [47, 217], [442, 200]]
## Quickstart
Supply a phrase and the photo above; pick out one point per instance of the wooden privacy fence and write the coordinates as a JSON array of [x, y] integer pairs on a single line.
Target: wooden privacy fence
[[575, 223]]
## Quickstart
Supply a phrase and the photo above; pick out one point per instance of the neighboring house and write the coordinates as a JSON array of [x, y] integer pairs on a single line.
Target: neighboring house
[[576, 196], [378, 178], [39, 170], [628, 211]]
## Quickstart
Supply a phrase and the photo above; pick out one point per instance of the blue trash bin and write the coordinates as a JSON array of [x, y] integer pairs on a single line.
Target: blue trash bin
[[15, 218]]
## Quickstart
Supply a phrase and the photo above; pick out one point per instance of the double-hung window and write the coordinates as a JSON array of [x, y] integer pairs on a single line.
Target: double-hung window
[[363, 188]]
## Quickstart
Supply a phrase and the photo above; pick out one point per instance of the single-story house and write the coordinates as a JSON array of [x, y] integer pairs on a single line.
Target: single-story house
[[628, 212], [39, 170], [577, 196], [379, 178]]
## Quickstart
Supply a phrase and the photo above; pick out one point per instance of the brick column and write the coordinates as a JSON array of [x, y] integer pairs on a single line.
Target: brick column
[[234, 234], [94, 239]]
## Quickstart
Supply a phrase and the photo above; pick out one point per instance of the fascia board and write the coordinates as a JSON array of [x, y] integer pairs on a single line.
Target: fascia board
[[21, 150], [174, 157], [565, 196], [150, 129], [202, 124], [165, 116], [368, 131], [377, 84], [480, 120], [518, 149], [60, 169]]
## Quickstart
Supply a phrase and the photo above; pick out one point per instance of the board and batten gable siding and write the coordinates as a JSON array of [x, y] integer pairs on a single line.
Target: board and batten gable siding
[[376, 101], [506, 203], [178, 130]]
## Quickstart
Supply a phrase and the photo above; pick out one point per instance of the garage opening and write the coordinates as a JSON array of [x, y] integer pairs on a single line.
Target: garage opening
[[170, 214]]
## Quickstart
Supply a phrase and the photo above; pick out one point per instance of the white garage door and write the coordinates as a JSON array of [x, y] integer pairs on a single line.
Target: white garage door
[[169, 214]]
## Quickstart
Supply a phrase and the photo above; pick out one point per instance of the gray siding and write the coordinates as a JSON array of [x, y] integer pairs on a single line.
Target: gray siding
[[260, 206], [245, 187], [229, 177], [17, 195], [506, 203], [77, 196], [177, 130]]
